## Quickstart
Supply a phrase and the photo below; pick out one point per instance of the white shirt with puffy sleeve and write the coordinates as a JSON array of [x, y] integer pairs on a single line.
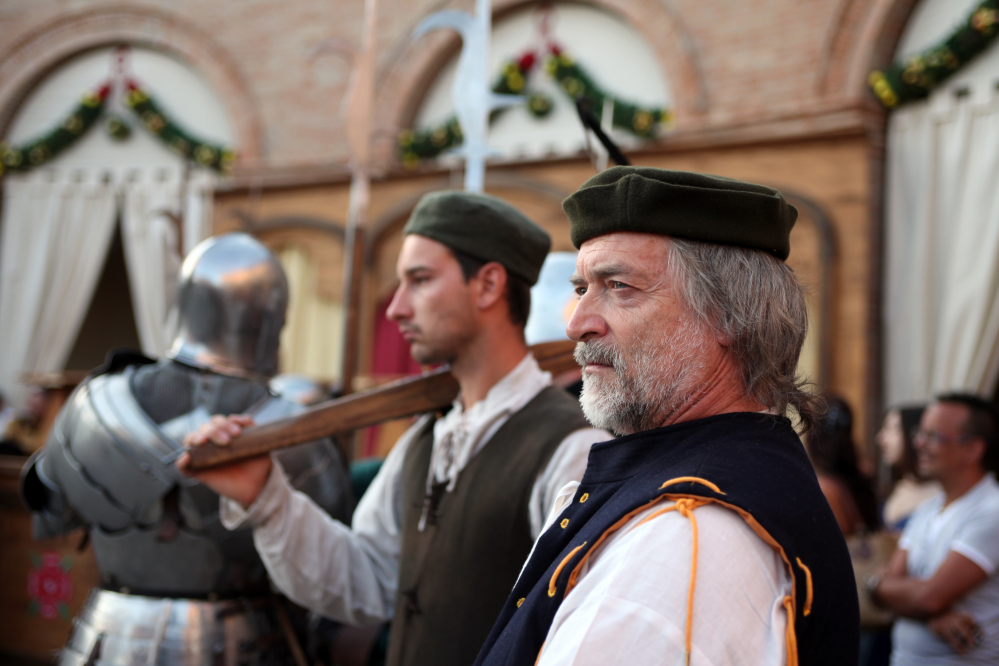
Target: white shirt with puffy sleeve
[[350, 573]]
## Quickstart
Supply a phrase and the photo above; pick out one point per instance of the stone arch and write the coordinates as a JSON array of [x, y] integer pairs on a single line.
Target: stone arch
[[411, 67], [27, 61]]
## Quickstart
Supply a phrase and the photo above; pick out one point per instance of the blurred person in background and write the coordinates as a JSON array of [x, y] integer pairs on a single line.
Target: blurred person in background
[[25, 435], [849, 491], [941, 581], [909, 489], [851, 496]]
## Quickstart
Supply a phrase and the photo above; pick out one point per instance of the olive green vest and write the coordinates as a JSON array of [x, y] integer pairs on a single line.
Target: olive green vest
[[455, 575]]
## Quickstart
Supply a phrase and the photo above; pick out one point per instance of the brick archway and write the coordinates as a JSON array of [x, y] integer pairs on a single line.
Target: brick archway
[[24, 63]]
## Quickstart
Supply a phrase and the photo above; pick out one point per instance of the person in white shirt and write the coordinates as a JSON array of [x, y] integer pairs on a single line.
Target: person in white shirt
[[942, 580], [441, 533]]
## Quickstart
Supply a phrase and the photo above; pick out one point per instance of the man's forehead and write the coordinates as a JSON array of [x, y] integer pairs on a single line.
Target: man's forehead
[[622, 253], [946, 413], [419, 250]]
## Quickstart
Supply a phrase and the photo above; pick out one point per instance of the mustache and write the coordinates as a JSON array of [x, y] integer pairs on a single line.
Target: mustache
[[409, 328], [598, 353]]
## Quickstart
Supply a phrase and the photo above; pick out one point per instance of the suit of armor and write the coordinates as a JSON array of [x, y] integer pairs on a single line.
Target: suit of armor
[[176, 586]]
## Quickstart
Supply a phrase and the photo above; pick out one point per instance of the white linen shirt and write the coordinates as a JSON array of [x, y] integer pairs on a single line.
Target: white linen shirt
[[630, 603], [969, 526], [351, 574]]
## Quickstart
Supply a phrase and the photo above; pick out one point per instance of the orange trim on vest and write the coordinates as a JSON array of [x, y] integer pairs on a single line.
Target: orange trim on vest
[[790, 638], [554, 581], [808, 586], [692, 479], [789, 601]]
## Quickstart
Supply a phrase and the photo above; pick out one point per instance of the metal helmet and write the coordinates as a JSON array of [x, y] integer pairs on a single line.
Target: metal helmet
[[233, 297]]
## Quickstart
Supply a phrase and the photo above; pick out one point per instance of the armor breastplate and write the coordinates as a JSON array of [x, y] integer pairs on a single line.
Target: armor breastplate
[[153, 530]]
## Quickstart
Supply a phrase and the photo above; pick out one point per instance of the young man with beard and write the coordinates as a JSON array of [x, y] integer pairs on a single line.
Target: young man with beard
[[440, 535], [699, 536]]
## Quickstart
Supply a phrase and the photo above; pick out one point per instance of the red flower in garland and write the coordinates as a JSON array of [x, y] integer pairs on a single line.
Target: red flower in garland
[[50, 585]]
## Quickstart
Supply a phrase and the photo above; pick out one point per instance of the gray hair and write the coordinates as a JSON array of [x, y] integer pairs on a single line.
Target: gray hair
[[755, 300]]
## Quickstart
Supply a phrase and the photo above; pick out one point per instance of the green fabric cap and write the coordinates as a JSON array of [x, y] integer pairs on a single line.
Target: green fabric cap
[[484, 228], [686, 205]]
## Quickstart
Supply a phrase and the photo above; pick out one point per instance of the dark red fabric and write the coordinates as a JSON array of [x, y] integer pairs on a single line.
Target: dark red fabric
[[390, 357]]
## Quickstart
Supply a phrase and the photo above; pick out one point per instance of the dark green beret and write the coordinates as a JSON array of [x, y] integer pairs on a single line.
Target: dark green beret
[[484, 228], [682, 204]]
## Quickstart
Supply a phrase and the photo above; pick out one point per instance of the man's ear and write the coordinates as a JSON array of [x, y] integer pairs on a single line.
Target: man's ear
[[977, 449], [491, 285]]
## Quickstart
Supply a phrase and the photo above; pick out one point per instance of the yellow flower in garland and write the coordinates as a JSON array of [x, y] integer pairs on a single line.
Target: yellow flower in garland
[[205, 155], [406, 138], [642, 121], [153, 121], [73, 124], [984, 20], [439, 137], [572, 86], [90, 100], [227, 161], [38, 154], [136, 97], [515, 81], [879, 84]]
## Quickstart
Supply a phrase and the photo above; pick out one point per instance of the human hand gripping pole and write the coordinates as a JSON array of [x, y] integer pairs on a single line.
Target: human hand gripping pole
[[226, 441]]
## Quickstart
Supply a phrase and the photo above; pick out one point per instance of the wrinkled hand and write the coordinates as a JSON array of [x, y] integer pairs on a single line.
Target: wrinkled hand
[[240, 481], [957, 629]]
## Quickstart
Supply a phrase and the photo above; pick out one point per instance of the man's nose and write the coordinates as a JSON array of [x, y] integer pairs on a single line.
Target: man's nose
[[398, 309], [585, 322]]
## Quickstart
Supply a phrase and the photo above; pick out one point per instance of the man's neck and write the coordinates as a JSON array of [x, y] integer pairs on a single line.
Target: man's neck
[[720, 393], [489, 358], [957, 485]]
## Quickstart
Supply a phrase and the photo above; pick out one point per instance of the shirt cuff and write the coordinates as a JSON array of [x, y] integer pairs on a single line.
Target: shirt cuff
[[975, 556], [275, 494]]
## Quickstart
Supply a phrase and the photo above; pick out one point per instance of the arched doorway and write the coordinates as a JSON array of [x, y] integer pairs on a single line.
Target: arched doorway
[[77, 174]]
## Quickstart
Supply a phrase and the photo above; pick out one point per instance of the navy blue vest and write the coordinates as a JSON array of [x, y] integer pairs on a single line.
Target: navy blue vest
[[760, 468]]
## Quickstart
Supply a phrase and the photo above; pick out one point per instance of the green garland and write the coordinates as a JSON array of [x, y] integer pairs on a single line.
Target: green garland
[[918, 75], [45, 148], [417, 145], [39, 151], [573, 79], [203, 153]]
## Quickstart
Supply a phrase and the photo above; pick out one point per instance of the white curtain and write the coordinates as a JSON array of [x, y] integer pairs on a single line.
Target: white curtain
[[312, 338], [152, 224], [941, 313], [150, 231], [54, 238]]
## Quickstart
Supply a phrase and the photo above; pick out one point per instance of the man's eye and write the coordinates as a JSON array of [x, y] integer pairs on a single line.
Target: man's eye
[[617, 285], [580, 291]]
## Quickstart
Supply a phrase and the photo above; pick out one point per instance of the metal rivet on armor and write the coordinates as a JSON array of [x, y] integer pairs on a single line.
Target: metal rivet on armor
[[565, 523], [585, 497], [144, 467], [520, 601]]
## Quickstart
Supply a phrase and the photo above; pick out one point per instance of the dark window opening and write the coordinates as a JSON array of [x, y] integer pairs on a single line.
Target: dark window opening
[[110, 320]]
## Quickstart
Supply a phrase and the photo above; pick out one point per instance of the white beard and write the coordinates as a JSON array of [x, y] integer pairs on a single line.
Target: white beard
[[657, 377]]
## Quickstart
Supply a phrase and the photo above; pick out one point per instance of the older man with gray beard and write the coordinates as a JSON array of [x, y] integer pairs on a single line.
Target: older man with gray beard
[[699, 536]]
